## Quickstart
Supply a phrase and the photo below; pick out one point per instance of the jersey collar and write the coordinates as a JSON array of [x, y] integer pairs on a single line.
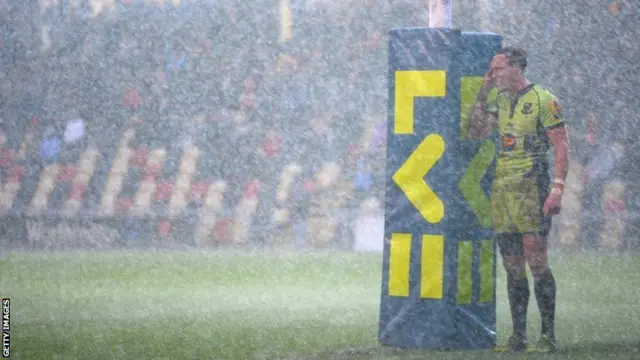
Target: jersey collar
[[526, 89], [519, 94]]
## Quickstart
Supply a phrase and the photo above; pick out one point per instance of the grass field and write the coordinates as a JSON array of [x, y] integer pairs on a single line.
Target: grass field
[[187, 305]]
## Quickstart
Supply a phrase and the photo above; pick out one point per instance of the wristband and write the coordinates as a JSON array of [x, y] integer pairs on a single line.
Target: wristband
[[558, 181], [556, 191]]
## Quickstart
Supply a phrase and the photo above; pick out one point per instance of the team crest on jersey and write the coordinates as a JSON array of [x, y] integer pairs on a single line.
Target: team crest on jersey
[[508, 142], [527, 108]]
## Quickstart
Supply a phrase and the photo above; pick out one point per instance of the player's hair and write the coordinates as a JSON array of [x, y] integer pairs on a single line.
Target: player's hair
[[515, 56]]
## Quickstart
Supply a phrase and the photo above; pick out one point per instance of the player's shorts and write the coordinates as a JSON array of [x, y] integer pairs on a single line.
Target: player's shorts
[[516, 206]]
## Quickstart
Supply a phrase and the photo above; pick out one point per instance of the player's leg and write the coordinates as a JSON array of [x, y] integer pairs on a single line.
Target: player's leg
[[536, 228], [512, 251], [514, 261], [536, 252]]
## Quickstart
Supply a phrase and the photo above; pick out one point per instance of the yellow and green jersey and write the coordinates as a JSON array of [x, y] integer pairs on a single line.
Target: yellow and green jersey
[[523, 121]]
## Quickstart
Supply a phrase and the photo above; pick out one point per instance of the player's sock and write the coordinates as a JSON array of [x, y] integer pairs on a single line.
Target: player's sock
[[545, 290], [518, 291]]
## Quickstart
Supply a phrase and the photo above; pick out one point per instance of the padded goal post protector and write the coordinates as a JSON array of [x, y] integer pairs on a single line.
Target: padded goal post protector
[[438, 281]]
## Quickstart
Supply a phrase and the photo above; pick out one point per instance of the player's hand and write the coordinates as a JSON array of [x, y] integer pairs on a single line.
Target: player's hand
[[553, 204], [489, 80]]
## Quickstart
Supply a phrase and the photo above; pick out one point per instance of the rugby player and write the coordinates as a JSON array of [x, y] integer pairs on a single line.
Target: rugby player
[[529, 122]]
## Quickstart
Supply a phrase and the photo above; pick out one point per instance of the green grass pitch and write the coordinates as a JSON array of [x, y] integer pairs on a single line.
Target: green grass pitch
[[224, 305]]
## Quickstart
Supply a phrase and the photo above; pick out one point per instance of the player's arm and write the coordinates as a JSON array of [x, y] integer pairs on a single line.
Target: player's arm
[[560, 143], [556, 130], [484, 117]]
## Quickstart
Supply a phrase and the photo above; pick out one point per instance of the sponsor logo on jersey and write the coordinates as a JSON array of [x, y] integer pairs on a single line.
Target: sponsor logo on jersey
[[508, 142]]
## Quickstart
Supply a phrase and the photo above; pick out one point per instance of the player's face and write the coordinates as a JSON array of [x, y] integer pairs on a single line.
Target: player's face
[[505, 75]]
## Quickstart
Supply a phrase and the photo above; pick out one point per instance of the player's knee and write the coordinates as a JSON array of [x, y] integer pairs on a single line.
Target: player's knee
[[515, 266], [512, 251], [536, 254], [539, 268]]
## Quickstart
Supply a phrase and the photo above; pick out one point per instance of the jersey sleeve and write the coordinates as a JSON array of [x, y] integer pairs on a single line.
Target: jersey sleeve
[[492, 101], [551, 112]]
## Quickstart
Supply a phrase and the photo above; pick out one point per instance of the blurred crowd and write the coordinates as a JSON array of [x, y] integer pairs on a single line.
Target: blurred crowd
[[287, 81]]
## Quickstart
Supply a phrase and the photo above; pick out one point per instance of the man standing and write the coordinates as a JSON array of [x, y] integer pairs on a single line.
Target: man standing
[[529, 122]]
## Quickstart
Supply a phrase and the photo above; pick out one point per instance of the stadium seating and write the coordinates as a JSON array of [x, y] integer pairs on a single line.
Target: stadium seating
[[161, 191]]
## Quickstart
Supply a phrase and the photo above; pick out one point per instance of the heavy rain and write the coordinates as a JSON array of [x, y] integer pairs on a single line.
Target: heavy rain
[[245, 179]]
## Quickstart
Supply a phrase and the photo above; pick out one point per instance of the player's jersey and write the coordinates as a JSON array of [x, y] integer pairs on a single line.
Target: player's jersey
[[523, 121]]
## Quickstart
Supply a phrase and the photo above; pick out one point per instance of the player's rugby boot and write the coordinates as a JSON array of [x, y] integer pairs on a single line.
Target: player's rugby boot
[[516, 343], [546, 345]]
